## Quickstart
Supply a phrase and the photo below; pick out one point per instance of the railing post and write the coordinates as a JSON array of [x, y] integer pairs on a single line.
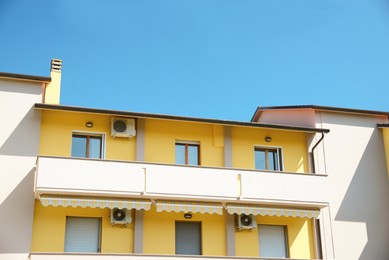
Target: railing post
[[145, 181]]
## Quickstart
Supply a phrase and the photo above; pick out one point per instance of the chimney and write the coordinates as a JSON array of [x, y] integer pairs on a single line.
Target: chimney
[[53, 89]]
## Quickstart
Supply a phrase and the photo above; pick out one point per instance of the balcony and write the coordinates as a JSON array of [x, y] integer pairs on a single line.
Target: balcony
[[71, 176], [86, 256]]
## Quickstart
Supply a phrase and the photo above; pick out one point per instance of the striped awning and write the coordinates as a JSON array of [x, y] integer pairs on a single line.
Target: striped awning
[[94, 202], [268, 211], [188, 206]]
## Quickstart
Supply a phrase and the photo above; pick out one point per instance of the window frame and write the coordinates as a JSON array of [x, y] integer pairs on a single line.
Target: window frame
[[200, 237], [280, 157], [87, 133], [186, 144], [99, 231], [286, 238]]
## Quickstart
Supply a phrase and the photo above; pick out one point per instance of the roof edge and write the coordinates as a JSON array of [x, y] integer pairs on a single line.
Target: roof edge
[[24, 77], [178, 118], [327, 108]]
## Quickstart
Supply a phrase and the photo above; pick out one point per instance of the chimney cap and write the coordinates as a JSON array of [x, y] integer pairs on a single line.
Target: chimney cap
[[56, 65]]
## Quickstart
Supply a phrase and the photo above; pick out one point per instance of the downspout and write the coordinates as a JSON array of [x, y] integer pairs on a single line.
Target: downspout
[[44, 86], [312, 154]]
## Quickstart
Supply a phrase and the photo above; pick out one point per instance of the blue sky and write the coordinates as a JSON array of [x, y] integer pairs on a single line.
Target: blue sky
[[203, 58]]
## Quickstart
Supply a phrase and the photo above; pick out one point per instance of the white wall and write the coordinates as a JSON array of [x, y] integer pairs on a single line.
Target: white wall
[[359, 187], [99, 177], [19, 144]]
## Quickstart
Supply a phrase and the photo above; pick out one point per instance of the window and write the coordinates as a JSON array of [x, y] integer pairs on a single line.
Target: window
[[87, 146], [188, 238], [188, 153], [268, 159], [272, 241], [82, 234]]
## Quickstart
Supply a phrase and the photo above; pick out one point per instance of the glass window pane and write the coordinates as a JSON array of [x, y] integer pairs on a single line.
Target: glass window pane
[[95, 147], [260, 159], [180, 153], [79, 146], [193, 155], [272, 157]]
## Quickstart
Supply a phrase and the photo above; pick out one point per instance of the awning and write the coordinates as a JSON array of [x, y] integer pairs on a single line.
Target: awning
[[94, 202], [279, 212], [186, 206]]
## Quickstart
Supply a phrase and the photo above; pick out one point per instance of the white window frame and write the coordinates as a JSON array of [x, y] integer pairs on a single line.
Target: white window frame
[[280, 152], [193, 143], [103, 141], [286, 242], [99, 232]]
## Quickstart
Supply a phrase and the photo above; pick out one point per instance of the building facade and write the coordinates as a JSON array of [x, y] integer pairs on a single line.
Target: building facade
[[302, 182]]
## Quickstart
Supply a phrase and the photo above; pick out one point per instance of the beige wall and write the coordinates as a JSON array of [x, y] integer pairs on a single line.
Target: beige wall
[[359, 197], [19, 142]]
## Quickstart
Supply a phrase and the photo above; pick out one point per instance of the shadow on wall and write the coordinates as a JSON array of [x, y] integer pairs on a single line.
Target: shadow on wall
[[16, 217], [367, 199], [24, 140]]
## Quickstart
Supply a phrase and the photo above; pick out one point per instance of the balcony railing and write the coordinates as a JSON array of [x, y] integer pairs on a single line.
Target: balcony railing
[[117, 178], [86, 256]]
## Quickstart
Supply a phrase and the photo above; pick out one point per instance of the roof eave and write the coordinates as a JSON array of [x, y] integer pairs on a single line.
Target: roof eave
[[325, 108], [25, 77]]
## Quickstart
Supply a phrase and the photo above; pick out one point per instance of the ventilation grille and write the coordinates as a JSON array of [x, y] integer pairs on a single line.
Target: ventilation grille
[[56, 65]]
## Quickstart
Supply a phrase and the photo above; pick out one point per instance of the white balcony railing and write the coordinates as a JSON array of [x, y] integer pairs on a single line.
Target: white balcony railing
[[91, 256], [115, 178]]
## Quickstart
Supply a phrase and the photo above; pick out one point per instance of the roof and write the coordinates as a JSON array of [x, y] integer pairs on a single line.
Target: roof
[[24, 77], [177, 118], [326, 108]]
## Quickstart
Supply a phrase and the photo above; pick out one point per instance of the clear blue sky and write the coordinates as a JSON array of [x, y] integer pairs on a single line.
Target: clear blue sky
[[203, 58]]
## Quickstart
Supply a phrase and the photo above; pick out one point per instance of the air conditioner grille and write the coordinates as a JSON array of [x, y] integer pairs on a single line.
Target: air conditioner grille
[[246, 219], [119, 214], [120, 126]]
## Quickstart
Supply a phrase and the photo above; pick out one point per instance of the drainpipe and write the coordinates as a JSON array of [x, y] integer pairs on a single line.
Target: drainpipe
[[312, 154]]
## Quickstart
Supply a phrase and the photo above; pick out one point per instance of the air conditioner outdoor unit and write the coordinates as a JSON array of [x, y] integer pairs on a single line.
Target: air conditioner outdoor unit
[[123, 127], [120, 217], [244, 221]]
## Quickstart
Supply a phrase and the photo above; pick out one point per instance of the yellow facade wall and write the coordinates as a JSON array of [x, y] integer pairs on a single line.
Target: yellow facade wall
[[57, 128], [299, 235], [53, 89], [293, 144], [161, 136], [50, 225], [385, 132], [159, 232]]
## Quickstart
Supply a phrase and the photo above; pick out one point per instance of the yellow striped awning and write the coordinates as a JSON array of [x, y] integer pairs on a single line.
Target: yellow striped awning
[[188, 206], [279, 212], [94, 202]]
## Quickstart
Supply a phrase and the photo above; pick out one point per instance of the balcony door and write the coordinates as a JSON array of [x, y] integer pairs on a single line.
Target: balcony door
[[82, 235], [272, 241], [188, 238]]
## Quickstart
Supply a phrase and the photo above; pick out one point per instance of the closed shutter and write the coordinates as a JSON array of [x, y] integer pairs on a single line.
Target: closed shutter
[[188, 238], [82, 235], [272, 241]]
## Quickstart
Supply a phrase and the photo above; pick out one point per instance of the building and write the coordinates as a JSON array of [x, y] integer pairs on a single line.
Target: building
[[300, 182]]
